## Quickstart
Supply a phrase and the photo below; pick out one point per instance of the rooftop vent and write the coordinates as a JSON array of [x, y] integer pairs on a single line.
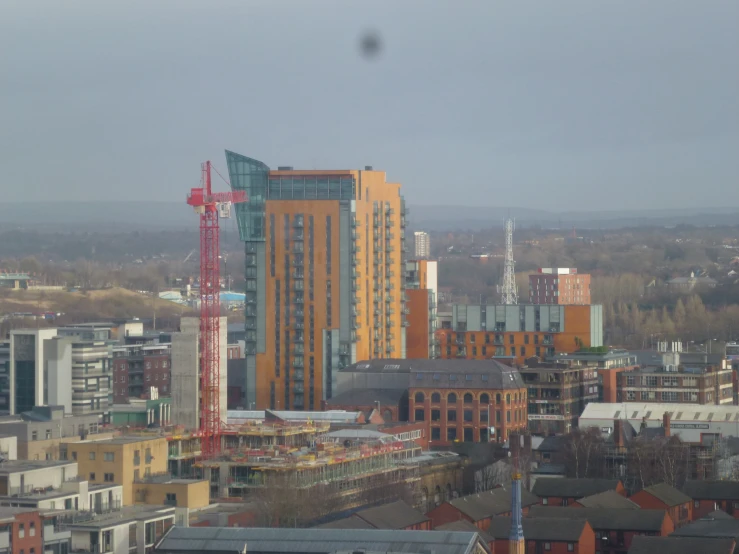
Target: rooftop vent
[[368, 168], [284, 168]]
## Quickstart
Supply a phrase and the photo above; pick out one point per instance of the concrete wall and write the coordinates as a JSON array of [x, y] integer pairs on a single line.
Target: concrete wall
[[57, 372], [185, 374], [9, 447]]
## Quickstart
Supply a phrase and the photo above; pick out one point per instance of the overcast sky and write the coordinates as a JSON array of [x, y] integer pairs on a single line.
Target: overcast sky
[[549, 104]]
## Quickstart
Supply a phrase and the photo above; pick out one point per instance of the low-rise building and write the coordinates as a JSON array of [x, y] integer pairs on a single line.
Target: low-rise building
[[664, 497], [121, 460], [185, 495], [682, 545], [480, 509], [557, 536], [557, 395], [394, 515], [138, 367], [27, 530], [709, 496], [130, 529], [608, 363], [614, 528], [565, 491], [143, 412]]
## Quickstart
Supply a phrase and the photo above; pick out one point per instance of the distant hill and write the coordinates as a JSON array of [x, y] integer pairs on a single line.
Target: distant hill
[[130, 215]]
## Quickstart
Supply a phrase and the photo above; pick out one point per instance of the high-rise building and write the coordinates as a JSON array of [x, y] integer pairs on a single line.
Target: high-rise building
[[40, 370], [421, 289], [422, 244], [559, 285], [324, 277]]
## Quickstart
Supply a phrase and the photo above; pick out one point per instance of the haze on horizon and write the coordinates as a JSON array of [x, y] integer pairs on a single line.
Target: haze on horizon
[[568, 105]]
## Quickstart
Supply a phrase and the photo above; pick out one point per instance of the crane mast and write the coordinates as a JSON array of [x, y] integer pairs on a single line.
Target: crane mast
[[211, 206]]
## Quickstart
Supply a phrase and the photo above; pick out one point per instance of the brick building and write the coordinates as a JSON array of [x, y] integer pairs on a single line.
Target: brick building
[[555, 536], [23, 531], [559, 285], [481, 508], [563, 492], [708, 496], [138, 367], [665, 497], [515, 333], [614, 528], [557, 394], [421, 290], [608, 363], [682, 378], [466, 400]]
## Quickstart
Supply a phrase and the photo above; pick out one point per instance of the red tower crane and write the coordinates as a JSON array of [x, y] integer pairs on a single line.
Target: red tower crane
[[211, 206]]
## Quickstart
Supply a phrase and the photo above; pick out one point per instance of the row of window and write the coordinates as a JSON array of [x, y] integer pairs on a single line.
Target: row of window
[[469, 398], [469, 416], [147, 365]]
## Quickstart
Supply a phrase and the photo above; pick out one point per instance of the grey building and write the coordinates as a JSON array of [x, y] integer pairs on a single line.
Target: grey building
[[4, 377], [40, 370]]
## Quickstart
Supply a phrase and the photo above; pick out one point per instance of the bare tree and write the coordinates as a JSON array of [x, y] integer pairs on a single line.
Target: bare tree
[[583, 453]]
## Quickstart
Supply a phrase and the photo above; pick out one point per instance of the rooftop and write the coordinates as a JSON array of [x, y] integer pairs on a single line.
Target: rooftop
[[314, 541], [667, 494], [712, 490], [129, 439], [466, 526], [608, 499], [368, 397], [572, 488], [490, 503], [127, 514], [714, 527], [614, 519], [655, 411], [334, 416], [7, 513], [351, 522], [680, 545], [540, 529], [17, 466], [395, 515]]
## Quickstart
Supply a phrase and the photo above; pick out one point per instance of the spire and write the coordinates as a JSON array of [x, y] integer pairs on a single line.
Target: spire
[[510, 294], [516, 543]]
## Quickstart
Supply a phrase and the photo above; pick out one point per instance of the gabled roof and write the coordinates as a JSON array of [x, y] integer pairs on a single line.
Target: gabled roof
[[680, 545], [712, 490], [396, 515], [572, 488], [608, 499], [667, 494], [613, 519], [716, 528], [351, 522], [313, 541], [464, 525], [490, 503], [540, 529]]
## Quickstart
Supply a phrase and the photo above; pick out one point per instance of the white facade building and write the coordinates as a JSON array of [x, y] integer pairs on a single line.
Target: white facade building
[[422, 244]]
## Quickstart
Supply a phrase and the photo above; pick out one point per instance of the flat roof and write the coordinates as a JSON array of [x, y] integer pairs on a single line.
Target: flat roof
[[118, 440], [15, 466], [126, 514], [655, 411]]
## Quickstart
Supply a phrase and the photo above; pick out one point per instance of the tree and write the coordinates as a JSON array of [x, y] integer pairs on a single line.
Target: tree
[[583, 453], [679, 315]]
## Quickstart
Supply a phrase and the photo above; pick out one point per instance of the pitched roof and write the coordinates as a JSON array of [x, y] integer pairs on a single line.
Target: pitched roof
[[614, 519], [351, 522], [313, 541], [608, 499], [680, 545], [490, 503], [540, 529], [715, 527], [368, 397], [667, 494], [572, 488], [464, 525], [396, 515], [712, 490]]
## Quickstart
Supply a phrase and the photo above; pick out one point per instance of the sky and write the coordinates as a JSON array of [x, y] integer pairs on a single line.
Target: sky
[[566, 105]]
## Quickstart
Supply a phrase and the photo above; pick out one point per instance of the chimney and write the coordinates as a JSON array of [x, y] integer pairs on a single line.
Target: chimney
[[527, 444], [666, 423], [514, 446], [618, 432]]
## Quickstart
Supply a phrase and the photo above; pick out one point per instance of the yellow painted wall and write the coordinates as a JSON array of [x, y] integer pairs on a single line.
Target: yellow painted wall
[[193, 494]]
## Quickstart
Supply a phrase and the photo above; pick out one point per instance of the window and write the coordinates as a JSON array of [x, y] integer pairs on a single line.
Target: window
[[451, 399], [419, 397], [508, 416], [171, 499], [507, 398], [451, 434], [109, 456], [92, 455], [420, 414], [547, 546], [34, 436], [483, 416], [497, 398], [696, 503], [21, 531], [435, 415], [545, 501], [484, 398], [570, 547], [468, 398], [92, 476], [451, 415], [32, 529], [435, 398], [435, 433], [468, 416], [48, 434], [74, 455], [109, 478]]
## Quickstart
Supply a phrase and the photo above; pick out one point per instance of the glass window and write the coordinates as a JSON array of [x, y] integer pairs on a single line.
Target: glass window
[[468, 398], [419, 397], [435, 397], [452, 398], [484, 398]]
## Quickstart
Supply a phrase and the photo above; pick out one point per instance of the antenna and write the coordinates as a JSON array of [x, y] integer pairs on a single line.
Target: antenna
[[510, 293]]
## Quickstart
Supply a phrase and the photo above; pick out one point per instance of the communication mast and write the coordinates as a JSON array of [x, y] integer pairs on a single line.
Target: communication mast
[[509, 295], [211, 206]]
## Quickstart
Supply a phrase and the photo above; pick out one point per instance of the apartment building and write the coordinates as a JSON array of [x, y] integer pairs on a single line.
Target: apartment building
[[608, 363], [557, 395], [514, 333], [466, 400], [42, 430], [421, 290], [138, 367], [4, 376], [26, 530], [40, 370], [683, 378], [121, 460], [559, 285], [324, 277], [422, 244]]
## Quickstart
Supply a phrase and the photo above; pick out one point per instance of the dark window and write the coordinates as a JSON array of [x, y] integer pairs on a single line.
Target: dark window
[[468, 416], [483, 416], [435, 433], [420, 414], [484, 398], [451, 434], [451, 415], [419, 398], [510, 339], [525, 339], [435, 415], [468, 398], [452, 398], [435, 397], [497, 398], [468, 434]]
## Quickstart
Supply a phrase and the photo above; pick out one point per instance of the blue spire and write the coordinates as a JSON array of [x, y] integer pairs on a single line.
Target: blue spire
[[516, 533]]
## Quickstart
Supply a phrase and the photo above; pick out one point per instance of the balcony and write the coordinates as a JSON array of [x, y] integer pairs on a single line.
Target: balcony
[[461, 353], [298, 375], [389, 222], [389, 274], [298, 223], [298, 285], [356, 247], [299, 325], [298, 235], [389, 248], [298, 362], [297, 274], [356, 285], [377, 324], [298, 248], [298, 299], [355, 260], [298, 349]]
